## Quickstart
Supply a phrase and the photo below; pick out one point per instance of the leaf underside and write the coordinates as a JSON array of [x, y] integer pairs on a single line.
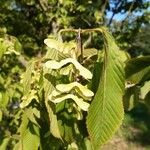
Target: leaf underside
[[106, 111]]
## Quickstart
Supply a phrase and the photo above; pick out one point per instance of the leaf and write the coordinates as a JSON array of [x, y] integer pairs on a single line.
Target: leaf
[[72, 146], [79, 101], [17, 46], [3, 145], [98, 66], [48, 88], [65, 48], [53, 44], [30, 135], [87, 144], [1, 115], [106, 111], [4, 99], [31, 139], [147, 100], [138, 69], [124, 56], [131, 98], [26, 99], [145, 89], [66, 124], [9, 42], [52, 64], [27, 78], [32, 114], [87, 53], [3, 48], [24, 123], [96, 75]]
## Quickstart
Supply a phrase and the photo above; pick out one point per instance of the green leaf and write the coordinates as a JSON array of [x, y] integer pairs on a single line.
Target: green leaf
[[88, 144], [30, 134], [31, 139], [66, 128], [53, 44], [98, 67], [145, 89], [52, 52], [124, 56], [3, 48], [1, 115], [17, 46], [106, 111], [48, 88], [27, 78], [147, 100], [72, 146], [87, 53], [138, 69], [96, 75], [3, 145], [9, 42], [65, 48], [4, 99], [33, 114], [26, 99], [131, 98]]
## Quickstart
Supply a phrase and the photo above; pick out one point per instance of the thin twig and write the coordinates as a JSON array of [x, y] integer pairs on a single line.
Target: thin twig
[[129, 12], [114, 12], [79, 44]]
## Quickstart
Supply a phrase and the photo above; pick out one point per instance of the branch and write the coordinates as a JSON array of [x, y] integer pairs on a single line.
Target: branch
[[114, 12], [129, 12]]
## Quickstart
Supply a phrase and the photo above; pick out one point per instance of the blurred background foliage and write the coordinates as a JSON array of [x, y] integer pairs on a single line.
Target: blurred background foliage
[[32, 20], [24, 24]]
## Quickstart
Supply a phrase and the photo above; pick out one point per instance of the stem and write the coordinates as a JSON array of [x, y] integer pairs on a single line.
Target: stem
[[77, 30], [79, 44]]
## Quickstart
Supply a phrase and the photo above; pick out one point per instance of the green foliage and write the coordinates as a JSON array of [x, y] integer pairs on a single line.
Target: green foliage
[[131, 98], [4, 144], [29, 135], [138, 69], [57, 94], [106, 110], [137, 76], [49, 82], [69, 94], [66, 99]]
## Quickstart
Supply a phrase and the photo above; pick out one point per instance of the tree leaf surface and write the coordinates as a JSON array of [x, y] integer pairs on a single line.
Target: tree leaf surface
[[106, 111]]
